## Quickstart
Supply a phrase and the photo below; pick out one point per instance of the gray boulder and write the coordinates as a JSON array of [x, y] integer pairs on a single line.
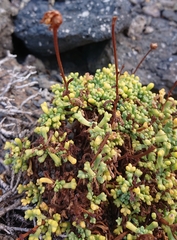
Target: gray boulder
[[83, 22], [6, 27]]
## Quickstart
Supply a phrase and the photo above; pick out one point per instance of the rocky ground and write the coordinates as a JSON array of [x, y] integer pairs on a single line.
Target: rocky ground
[[85, 41], [84, 36], [23, 88]]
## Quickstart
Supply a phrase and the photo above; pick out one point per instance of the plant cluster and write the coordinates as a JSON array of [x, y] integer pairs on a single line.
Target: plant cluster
[[103, 165]]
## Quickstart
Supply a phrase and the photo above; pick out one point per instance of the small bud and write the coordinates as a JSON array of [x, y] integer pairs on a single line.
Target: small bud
[[72, 159], [152, 226], [18, 142], [71, 184], [45, 108], [131, 226], [45, 180], [56, 159], [82, 224], [43, 206], [150, 86], [94, 206], [53, 225]]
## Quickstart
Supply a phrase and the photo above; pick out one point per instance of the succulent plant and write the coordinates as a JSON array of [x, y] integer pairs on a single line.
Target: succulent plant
[[103, 164]]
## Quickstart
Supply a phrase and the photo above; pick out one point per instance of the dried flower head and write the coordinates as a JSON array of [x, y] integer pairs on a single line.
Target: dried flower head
[[153, 46], [52, 18]]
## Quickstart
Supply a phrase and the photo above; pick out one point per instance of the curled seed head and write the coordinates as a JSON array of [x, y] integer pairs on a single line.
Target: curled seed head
[[153, 46], [52, 18]]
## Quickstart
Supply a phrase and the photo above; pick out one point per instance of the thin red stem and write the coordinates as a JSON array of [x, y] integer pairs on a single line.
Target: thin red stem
[[55, 39], [153, 46], [100, 147], [142, 61], [169, 94], [171, 90], [115, 53], [116, 68]]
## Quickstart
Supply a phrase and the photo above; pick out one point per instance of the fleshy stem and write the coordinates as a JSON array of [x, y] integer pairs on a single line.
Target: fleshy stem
[[116, 67], [153, 46]]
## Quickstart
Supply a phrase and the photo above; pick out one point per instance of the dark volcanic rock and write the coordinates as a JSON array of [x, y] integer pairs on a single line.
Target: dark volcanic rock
[[83, 22], [84, 36]]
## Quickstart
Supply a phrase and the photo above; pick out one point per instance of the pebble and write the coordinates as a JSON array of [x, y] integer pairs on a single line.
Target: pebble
[[135, 2], [33, 61], [137, 26], [148, 29], [172, 4], [152, 10], [44, 82], [55, 76], [38, 103]]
